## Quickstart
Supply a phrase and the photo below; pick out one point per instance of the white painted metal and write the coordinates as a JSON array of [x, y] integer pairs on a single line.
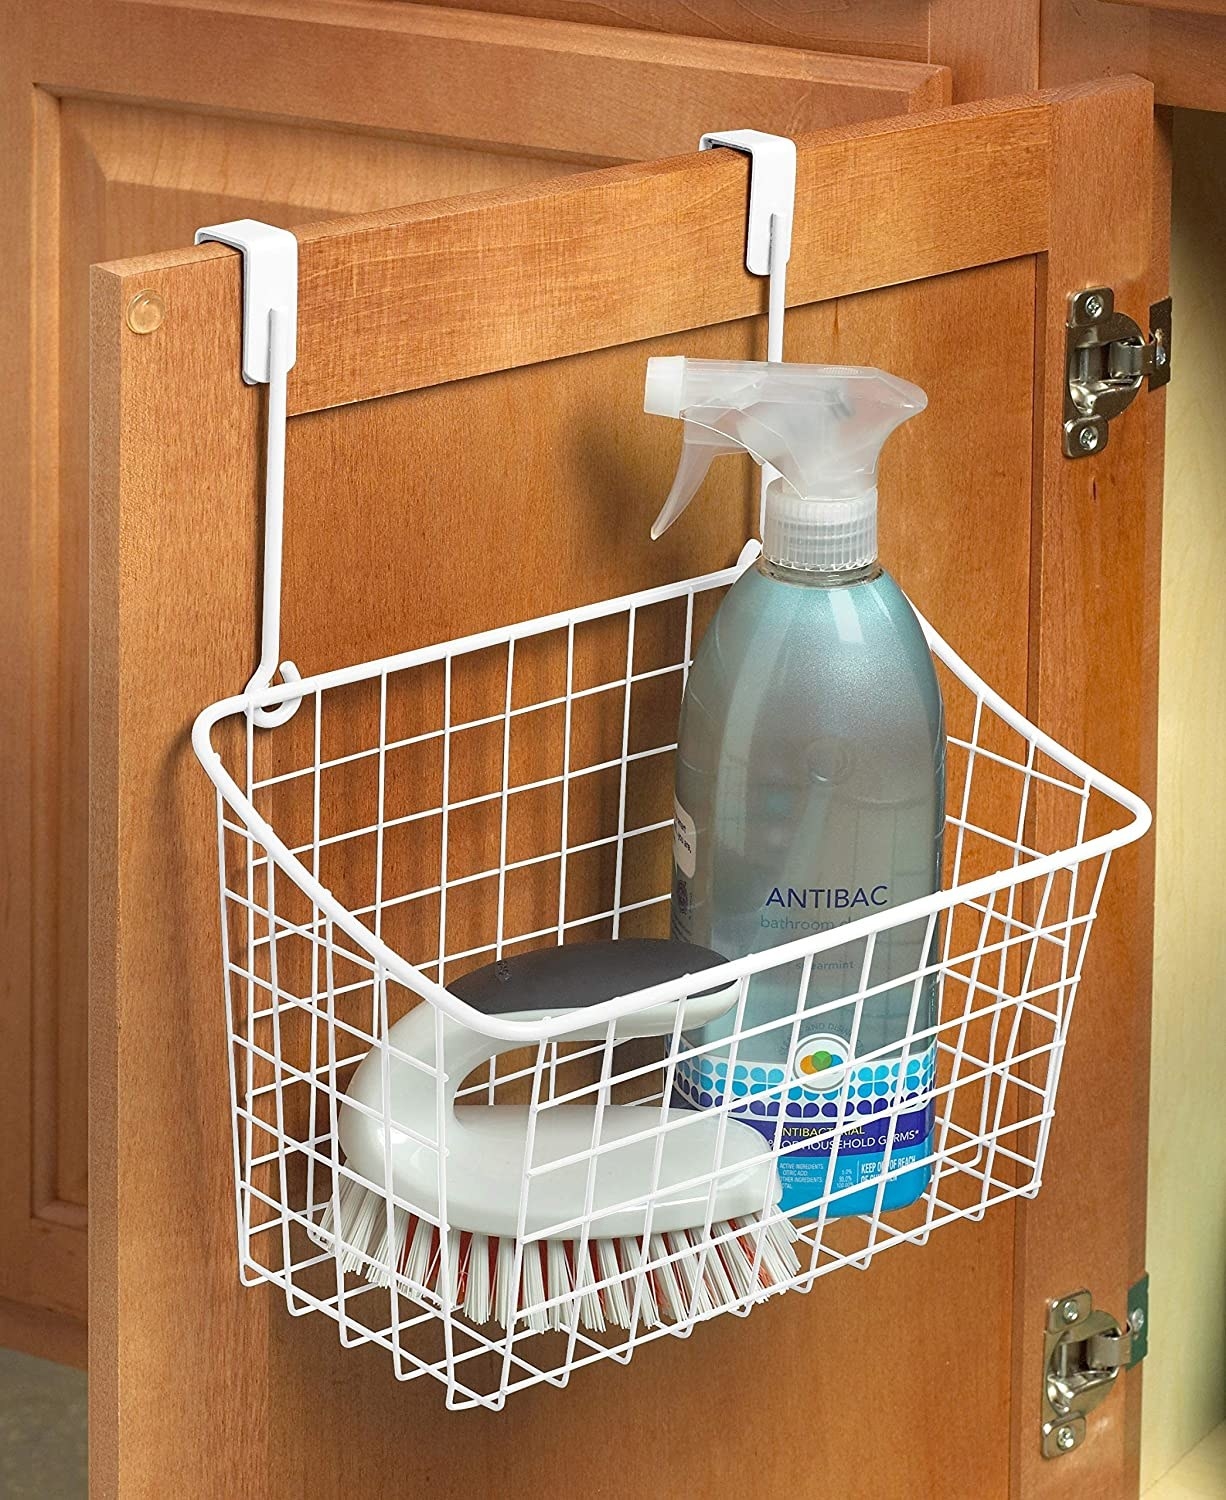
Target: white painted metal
[[768, 234], [343, 908], [270, 280], [325, 853], [772, 196], [270, 348]]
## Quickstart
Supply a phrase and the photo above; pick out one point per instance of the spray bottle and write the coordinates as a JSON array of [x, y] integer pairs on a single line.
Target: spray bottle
[[810, 784]]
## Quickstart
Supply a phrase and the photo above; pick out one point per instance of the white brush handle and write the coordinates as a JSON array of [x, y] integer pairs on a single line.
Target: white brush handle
[[464, 1048], [485, 1148]]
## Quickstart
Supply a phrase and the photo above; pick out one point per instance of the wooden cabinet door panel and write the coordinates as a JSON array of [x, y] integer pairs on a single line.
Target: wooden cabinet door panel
[[474, 370], [128, 123]]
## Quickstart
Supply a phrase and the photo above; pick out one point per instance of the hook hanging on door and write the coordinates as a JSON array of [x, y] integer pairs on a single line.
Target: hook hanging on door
[[270, 347], [768, 232], [772, 207]]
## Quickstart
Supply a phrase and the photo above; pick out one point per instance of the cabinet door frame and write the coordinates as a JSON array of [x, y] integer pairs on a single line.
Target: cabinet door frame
[[392, 302]]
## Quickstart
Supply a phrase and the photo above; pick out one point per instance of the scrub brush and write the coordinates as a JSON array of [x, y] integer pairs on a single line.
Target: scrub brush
[[680, 1271]]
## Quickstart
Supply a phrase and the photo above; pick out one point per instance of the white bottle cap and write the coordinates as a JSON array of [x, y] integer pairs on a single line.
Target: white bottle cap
[[818, 533]]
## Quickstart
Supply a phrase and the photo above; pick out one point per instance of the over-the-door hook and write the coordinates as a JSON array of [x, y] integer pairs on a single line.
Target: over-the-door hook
[[768, 232], [270, 347]]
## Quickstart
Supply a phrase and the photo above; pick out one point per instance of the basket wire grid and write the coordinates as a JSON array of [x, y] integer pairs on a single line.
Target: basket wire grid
[[426, 813]]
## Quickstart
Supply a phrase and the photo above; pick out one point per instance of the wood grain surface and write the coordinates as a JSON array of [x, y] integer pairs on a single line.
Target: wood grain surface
[[179, 1352], [509, 83], [388, 303], [992, 50], [126, 125], [1186, 7], [380, 546], [874, 28], [42, 1242], [1180, 50], [1093, 684]]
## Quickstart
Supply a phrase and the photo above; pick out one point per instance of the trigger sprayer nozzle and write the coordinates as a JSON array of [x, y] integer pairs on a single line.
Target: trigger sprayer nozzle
[[820, 426], [665, 385]]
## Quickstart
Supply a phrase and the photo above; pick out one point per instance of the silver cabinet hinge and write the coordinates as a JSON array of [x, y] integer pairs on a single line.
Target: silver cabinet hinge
[[1084, 1351], [1107, 358], [1138, 1319]]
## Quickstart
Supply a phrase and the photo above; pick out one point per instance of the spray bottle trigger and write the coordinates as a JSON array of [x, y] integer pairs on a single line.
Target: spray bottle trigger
[[701, 446]]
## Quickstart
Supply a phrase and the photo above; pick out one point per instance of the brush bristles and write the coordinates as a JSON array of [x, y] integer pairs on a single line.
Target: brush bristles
[[684, 1274]]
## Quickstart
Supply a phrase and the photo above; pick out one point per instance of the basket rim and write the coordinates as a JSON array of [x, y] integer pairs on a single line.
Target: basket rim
[[398, 968]]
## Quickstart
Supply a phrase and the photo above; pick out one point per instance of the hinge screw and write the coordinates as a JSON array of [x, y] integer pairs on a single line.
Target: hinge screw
[[1070, 1312], [1066, 1438], [1094, 305], [1159, 353], [1137, 1321], [1087, 439]]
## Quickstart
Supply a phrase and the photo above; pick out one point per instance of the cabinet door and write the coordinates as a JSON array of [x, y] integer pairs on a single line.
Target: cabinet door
[[467, 448], [126, 125]]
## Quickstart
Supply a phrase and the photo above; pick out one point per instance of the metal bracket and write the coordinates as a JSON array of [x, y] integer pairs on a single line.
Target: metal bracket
[[772, 207], [1138, 1319], [270, 280], [768, 231], [1107, 358], [270, 347], [1084, 1351], [772, 194]]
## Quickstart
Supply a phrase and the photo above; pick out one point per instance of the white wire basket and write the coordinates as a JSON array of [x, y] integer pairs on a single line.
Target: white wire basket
[[422, 815]]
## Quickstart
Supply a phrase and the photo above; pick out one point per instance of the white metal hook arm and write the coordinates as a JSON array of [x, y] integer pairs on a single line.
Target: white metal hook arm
[[768, 231], [270, 347]]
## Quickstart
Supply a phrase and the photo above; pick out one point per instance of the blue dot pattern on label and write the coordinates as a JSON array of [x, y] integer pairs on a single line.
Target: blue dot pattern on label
[[877, 1118]]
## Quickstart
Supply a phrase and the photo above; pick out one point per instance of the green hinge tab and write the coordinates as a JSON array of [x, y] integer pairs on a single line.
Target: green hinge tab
[[1138, 1319]]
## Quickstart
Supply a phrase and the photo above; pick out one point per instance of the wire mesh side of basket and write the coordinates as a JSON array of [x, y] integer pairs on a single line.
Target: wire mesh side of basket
[[422, 815]]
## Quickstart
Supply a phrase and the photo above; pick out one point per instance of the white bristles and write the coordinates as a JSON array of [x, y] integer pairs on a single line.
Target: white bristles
[[591, 1313], [560, 1283], [639, 1285], [479, 1285], [505, 1290], [533, 1290], [684, 1276], [422, 1257], [449, 1287], [686, 1247], [669, 1295], [613, 1294], [715, 1278], [737, 1251]]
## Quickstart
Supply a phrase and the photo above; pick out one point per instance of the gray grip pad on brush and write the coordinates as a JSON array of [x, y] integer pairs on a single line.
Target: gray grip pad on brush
[[577, 975]]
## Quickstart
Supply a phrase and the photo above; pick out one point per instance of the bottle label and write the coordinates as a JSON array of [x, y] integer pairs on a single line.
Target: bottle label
[[685, 841], [884, 1106]]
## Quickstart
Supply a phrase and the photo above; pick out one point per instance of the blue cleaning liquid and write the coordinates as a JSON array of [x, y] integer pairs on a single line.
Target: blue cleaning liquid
[[810, 792]]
